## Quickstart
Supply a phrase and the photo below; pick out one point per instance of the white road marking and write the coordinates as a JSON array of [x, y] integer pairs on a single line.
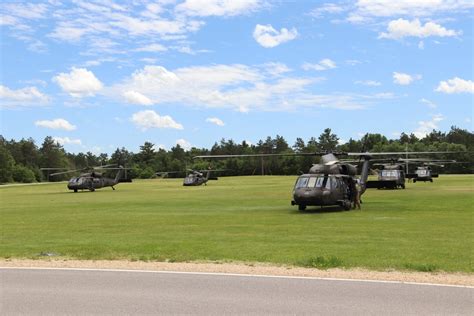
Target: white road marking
[[238, 275]]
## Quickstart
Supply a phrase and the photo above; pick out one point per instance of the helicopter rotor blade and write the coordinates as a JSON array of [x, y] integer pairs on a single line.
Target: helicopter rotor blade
[[105, 166], [65, 172], [251, 155], [403, 153]]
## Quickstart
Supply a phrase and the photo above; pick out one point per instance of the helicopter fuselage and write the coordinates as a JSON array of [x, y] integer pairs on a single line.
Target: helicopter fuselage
[[321, 190], [390, 177], [92, 181], [194, 179], [424, 174], [89, 183]]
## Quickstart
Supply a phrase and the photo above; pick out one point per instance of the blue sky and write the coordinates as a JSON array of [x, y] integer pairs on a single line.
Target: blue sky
[[98, 75]]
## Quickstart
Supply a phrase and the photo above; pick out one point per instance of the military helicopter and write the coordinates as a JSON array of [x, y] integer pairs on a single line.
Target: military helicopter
[[424, 172], [390, 176], [331, 182], [92, 180], [193, 177], [198, 177]]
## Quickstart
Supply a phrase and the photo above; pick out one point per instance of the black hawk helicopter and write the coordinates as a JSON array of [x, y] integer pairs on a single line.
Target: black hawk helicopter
[[93, 180], [198, 177], [193, 177], [424, 172], [390, 176], [331, 182], [393, 173]]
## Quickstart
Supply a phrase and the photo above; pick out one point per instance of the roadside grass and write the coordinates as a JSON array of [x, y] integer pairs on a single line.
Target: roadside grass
[[427, 227]]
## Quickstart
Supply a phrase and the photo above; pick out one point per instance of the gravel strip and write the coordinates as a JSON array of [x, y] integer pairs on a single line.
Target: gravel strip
[[247, 268]]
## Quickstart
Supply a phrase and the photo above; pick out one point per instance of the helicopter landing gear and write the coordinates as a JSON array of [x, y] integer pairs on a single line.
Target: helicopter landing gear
[[301, 207], [346, 205], [75, 190], [403, 186], [431, 180], [91, 189], [113, 188]]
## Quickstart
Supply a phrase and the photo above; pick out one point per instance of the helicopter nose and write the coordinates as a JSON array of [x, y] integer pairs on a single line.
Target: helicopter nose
[[308, 196]]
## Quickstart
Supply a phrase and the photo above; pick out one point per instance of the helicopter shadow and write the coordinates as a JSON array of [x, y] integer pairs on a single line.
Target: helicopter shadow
[[319, 210]]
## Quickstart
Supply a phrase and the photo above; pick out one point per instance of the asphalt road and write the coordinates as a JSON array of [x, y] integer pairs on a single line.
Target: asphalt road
[[73, 292]]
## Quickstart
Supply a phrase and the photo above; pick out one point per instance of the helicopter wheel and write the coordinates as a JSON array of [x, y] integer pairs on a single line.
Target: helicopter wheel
[[347, 206], [301, 207], [92, 189], [403, 186], [431, 180], [75, 190]]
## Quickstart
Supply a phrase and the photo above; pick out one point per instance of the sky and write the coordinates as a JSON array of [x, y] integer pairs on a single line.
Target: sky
[[98, 75]]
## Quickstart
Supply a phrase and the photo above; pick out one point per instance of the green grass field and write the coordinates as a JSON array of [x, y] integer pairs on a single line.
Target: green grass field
[[427, 227]]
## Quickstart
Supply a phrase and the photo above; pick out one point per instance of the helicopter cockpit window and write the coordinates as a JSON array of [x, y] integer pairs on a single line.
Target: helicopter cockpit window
[[302, 182], [389, 173], [312, 182], [421, 172]]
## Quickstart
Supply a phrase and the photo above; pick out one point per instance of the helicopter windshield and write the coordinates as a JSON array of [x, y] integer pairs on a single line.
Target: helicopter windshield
[[389, 173], [312, 182], [421, 172], [189, 179]]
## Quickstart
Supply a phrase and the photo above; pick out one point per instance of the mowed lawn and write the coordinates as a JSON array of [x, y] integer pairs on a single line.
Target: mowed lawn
[[427, 227]]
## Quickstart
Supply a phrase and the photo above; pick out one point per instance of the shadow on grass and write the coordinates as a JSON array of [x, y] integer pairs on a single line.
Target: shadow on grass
[[318, 209], [421, 267]]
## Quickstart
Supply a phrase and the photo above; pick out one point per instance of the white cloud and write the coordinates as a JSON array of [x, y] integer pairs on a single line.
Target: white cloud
[[276, 69], [67, 140], [238, 87], [28, 96], [152, 48], [56, 124], [215, 120], [425, 127], [80, 82], [428, 103], [268, 37], [421, 45], [401, 28], [328, 8], [456, 85], [184, 144], [150, 119], [371, 83], [28, 11], [137, 98], [218, 7], [323, 64], [404, 79], [384, 8]]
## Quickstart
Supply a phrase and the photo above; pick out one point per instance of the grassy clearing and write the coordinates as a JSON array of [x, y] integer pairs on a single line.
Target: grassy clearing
[[427, 227]]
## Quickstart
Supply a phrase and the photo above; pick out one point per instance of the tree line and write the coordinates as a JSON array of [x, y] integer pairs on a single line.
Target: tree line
[[23, 160]]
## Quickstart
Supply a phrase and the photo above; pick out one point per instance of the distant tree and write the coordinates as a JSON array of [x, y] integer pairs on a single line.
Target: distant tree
[[52, 154], [177, 153], [23, 174], [146, 154], [299, 145], [122, 157], [7, 164], [370, 140], [327, 141]]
